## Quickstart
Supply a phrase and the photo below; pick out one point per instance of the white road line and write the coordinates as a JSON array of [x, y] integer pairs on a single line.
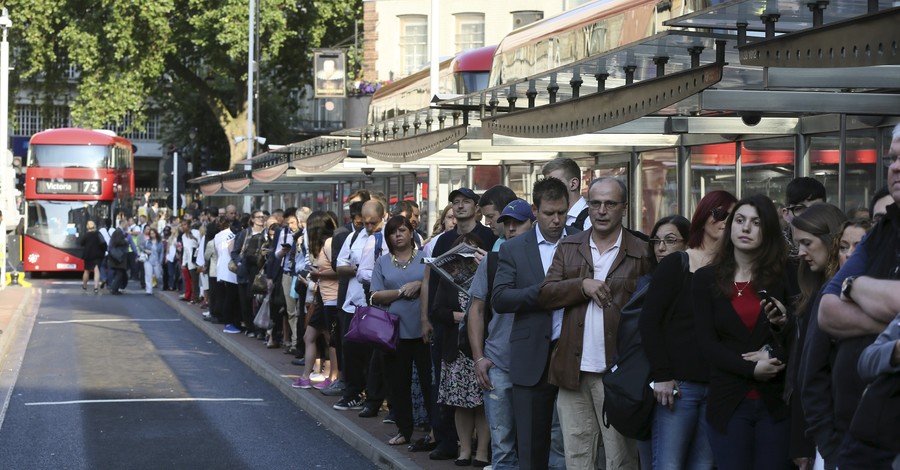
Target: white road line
[[138, 400], [107, 320]]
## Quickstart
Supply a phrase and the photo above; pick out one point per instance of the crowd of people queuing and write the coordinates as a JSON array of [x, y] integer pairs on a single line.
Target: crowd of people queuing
[[761, 332]]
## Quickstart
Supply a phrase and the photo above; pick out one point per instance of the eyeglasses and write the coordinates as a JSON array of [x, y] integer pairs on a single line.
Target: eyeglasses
[[889, 159], [719, 214], [260, 217], [610, 205], [797, 209], [668, 241]]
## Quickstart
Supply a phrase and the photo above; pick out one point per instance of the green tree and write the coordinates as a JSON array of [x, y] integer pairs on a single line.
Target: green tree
[[134, 55]]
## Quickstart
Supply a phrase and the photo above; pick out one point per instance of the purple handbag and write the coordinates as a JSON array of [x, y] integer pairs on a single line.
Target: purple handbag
[[375, 327]]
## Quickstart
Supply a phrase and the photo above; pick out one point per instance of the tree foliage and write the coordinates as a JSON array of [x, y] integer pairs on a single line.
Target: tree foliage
[[188, 57]]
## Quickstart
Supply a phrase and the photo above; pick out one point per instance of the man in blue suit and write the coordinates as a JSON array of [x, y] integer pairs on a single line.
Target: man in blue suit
[[521, 268]]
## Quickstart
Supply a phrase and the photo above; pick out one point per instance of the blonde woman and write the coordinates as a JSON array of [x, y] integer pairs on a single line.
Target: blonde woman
[[94, 249]]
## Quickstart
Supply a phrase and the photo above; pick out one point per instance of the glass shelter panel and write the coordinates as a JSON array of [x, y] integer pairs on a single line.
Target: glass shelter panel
[[861, 158], [659, 187], [767, 166], [712, 168]]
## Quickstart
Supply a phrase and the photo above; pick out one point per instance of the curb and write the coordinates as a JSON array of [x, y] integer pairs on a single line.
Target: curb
[[379, 453], [9, 334]]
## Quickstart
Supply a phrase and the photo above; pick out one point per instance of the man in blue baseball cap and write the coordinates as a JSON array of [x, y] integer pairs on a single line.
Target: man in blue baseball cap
[[517, 217]]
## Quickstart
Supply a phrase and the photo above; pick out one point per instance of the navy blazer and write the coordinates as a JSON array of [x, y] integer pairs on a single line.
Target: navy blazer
[[517, 283]]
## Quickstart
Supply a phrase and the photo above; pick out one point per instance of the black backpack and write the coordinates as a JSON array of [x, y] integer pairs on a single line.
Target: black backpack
[[628, 401]]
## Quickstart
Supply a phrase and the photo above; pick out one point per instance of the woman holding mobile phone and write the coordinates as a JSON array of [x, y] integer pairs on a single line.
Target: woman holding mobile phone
[[741, 335]]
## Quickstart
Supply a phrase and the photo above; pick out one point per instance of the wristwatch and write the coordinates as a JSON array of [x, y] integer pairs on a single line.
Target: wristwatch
[[847, 286]]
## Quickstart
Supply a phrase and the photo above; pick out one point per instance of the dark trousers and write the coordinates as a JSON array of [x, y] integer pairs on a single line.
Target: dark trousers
[[245, 298], [119, 279], [752, 440], [213, 298], [356, 364], [398, 366], [533, 408], [442, 416], [856, 455], [376, 386], [229, 303]]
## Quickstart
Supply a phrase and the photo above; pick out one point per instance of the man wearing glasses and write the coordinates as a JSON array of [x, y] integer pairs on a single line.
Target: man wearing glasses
[[592, 276], [799, 194]]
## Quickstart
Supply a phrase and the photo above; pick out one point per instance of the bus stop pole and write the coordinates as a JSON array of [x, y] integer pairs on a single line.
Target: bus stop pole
[[6, 176]]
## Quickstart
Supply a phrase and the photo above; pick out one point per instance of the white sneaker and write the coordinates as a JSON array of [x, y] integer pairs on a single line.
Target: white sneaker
[[205, 314], [316, 377]]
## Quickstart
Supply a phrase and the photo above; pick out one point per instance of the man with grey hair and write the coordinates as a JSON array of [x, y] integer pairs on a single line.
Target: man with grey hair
[[592, 303]]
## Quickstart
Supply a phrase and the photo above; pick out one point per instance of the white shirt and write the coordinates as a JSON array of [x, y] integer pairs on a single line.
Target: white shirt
[[285, 237], [367, 259], [547, 250], [224, 241], [350, 255], [593, 355], [575, 211]]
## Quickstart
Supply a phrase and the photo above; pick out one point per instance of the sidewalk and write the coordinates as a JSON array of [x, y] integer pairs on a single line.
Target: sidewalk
[[13, 302], [367, 435]]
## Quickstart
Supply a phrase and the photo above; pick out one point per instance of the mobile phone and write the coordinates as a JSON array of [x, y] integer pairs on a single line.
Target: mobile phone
[[286, 246], [764, 295]]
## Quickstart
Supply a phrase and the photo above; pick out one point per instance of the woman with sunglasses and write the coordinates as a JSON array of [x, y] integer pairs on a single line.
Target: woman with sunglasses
[[679, 370], [741, 323]]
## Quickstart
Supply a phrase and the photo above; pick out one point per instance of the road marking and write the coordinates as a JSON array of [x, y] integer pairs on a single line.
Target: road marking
[[107, 320], [138, 400]]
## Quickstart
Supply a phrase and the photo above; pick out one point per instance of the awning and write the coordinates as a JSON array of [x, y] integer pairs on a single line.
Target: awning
[[210, 189], [269, 173], [236, 185]]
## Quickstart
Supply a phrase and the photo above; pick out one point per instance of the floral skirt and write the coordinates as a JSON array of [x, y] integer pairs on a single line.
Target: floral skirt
[[458, 385]]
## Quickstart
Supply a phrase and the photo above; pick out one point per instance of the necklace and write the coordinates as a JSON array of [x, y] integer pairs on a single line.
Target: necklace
[[406, 264], [740, 290]]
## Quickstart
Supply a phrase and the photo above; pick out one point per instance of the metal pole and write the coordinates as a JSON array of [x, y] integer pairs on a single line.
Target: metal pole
[[250, 60], [175, 195], [6, 168], [435, 49]]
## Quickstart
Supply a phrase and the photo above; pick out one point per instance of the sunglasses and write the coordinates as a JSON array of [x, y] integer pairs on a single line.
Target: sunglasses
[[719, 214]]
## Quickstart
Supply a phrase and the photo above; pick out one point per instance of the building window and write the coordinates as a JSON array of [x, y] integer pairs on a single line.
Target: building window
[[30, 120], [526, 17], [413, 43], [469, 31]]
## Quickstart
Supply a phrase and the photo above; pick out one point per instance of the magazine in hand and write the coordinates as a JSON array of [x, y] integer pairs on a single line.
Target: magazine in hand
[[458, 265]]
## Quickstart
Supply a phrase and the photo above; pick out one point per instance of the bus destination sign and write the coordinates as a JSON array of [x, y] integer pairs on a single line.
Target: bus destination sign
[[58, 186]]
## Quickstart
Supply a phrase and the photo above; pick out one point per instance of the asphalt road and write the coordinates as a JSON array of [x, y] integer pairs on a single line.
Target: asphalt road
[[122, 382]]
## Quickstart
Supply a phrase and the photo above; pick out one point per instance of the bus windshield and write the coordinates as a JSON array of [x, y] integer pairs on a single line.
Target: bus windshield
[[60, 223], [68, 156]]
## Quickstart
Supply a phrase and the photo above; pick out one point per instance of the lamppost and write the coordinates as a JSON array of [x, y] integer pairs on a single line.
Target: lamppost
[[6, 168]]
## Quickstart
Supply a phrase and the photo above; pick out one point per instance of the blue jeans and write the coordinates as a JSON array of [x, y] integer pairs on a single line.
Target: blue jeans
[[501, 418], [679, 434], [752, 440]]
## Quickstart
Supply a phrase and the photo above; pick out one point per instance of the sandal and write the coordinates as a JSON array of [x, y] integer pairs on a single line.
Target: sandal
[[424, 444], [398, 440]]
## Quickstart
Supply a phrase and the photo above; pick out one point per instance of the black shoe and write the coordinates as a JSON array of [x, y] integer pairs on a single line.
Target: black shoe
[[389, 418], [479, 463], [441, 454], [369, 411], [463, 462], [348, 404]]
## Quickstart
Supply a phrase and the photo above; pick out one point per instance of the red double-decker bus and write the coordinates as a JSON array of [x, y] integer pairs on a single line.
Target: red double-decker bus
[[72, 176]]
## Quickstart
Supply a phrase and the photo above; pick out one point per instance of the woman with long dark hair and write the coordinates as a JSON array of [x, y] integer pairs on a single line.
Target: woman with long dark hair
[[816, 381], [678, 368], [816, 234], [323, 281], [741, 322]]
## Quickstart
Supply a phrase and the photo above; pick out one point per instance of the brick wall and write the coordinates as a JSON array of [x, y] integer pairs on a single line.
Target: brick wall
[[370, 41]]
